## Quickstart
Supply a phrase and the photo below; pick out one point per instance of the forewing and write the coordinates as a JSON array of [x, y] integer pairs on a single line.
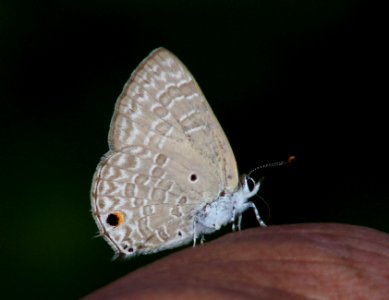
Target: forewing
[[163, 107]]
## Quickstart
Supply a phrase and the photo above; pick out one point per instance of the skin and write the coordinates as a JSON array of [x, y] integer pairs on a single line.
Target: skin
[[305, 261]]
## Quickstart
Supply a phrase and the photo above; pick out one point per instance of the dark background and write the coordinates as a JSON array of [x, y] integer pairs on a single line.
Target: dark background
[[307, 78]]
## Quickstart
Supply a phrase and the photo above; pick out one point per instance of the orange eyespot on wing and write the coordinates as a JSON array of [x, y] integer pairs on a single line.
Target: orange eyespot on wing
[[115, 219]]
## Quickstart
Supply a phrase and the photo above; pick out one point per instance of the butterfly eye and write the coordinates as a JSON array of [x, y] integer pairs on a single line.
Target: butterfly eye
[[115, 219], [250, 183]]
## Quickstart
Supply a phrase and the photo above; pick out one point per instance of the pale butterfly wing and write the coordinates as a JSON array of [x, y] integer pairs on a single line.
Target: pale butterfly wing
[[168, 158]]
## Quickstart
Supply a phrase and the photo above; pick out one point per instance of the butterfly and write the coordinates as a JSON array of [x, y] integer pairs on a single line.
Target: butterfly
[[170, 175]]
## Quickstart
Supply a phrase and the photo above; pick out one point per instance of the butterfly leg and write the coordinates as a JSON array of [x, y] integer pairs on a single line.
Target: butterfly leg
[[236, 225], [233, 219], [259, 219], [240, 222], [194, 232]]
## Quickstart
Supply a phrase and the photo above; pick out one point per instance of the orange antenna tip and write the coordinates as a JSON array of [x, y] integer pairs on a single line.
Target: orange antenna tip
[[291, 158]]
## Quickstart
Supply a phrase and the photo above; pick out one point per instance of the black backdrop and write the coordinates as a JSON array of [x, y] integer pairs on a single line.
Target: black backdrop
[[307, 78]]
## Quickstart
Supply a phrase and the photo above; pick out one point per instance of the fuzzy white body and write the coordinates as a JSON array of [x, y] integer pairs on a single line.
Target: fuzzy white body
[[224, 210]]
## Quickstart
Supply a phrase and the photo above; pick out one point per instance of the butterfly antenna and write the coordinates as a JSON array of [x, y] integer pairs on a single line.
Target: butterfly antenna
[[274, 164]]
